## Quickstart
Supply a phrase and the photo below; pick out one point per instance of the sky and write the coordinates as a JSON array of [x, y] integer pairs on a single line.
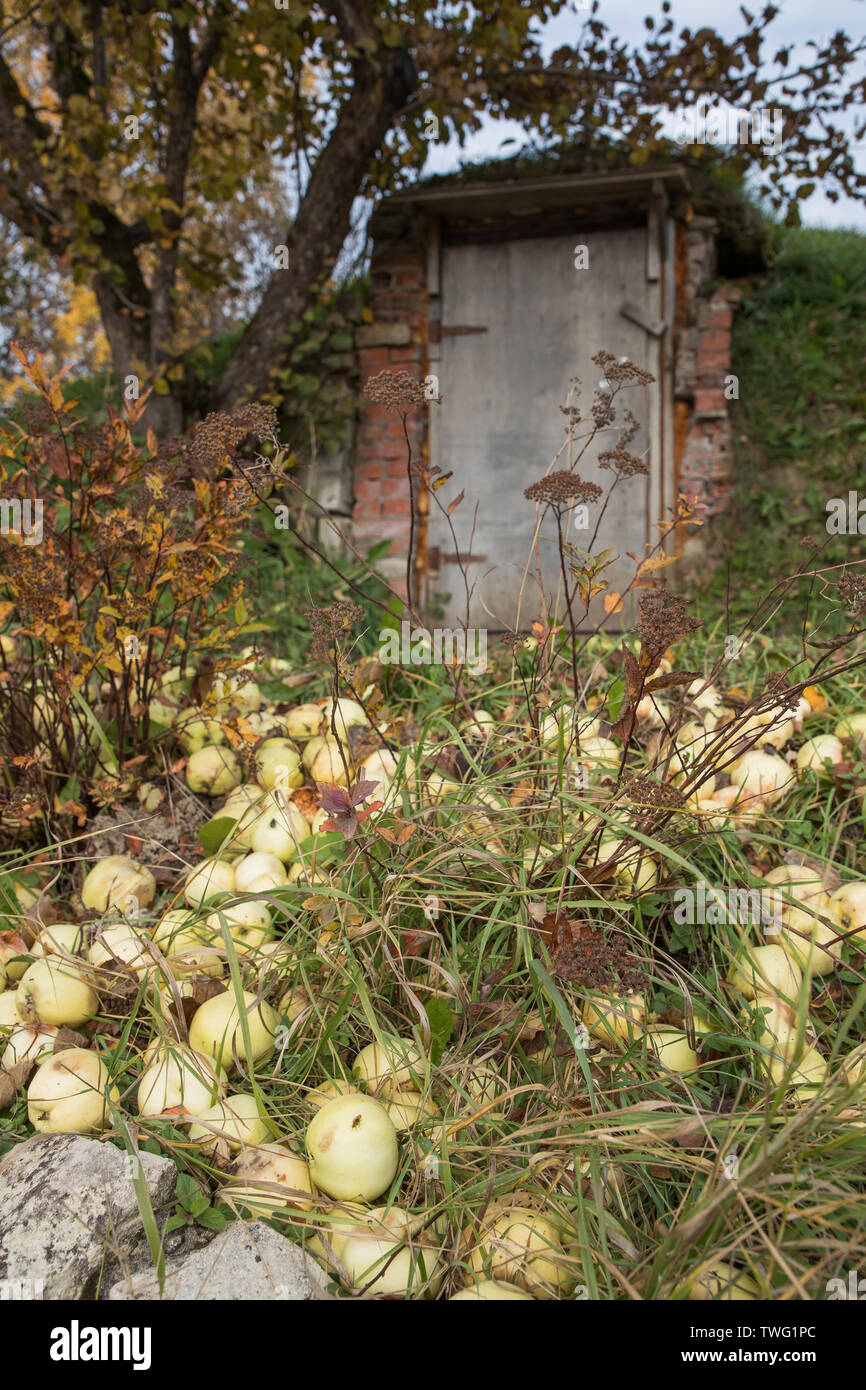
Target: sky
[[798, 21]]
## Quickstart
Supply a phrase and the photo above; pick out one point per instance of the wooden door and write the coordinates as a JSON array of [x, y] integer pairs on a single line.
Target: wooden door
[[501, 423]]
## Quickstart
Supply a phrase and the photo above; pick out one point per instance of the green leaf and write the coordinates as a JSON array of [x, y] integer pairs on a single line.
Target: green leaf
[[441, 1021], [197, 1205], [173, 1223], [615, 694], [212, 1220], [186, 1185], [214, 833]]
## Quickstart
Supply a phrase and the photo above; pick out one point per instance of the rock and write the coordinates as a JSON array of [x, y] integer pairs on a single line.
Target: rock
[[245, 1261], [65, 1203]]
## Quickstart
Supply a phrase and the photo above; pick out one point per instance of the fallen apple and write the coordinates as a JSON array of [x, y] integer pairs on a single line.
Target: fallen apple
[[329, 1090], [179, 1082], [724, 1282], [491, 1291], [766, 970], [30, 1041], [671, 1047], [399, 1062], [521, 1247], [352, 1148], [268, 1179], [54, 991], [60, 939], [278, 828], [813, 944], [636, 870], [278, 764], [187, 945], [258, 873], [305, 722], [196, 731], [216, 1029], [14, 955], [387, 1258], [9, 1015], [818, 752], [249, 923], [121, 943], [69, 1093], [207, 879], [810, 1069], [611, 1018], [763, 775], [408, 1109], [850, 902], [213, 771], [117, 881], [236, 1122]]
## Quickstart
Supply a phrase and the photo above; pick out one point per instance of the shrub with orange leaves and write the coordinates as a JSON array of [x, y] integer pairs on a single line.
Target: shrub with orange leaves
[[118, 559]]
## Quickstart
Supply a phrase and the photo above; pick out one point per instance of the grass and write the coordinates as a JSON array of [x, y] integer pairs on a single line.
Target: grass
[[443, 938], [799, 426]]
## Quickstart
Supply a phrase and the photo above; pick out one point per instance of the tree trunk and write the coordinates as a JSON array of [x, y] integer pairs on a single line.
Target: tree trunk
[[322, 224]]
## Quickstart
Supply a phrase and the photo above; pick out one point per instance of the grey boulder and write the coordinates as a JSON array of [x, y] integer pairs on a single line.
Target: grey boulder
[[68, 1206], [246, 1261]]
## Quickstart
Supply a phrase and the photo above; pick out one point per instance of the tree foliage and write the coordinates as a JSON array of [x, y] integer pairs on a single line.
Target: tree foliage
[[139, 139]]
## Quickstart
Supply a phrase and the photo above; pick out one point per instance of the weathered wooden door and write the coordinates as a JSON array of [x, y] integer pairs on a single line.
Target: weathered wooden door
[[501, 422]]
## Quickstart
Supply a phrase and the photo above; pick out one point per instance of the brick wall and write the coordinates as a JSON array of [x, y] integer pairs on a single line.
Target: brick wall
[[702, 364], [396, 341]]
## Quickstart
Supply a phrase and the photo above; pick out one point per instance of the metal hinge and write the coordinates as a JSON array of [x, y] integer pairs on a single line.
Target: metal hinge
[[452, 330], [437, 559]]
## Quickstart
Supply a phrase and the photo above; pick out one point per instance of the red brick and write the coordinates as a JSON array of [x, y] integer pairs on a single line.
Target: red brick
[[713, 362], [710, 399], [714, 340], [395, 468], [372, 360], [368, 470], [396, 506]]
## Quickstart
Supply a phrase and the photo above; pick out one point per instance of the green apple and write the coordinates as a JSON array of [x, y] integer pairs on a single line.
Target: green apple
[[216, 1029]]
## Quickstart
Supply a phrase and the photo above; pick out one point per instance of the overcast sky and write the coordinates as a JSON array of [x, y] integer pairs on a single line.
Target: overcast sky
[[798, 21]]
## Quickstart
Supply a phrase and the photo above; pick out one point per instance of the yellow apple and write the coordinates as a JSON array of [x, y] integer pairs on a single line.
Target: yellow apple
[[69, 1093]]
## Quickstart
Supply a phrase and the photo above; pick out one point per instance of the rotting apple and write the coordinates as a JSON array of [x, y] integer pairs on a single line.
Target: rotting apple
[[268, 1179], [117, 881]]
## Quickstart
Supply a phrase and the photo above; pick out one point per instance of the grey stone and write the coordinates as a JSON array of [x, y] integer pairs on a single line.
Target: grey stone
[[383, 335], [246, 1261], [67, 1203]]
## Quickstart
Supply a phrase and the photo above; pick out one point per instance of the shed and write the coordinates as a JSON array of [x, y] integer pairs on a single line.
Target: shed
[[499, 292]]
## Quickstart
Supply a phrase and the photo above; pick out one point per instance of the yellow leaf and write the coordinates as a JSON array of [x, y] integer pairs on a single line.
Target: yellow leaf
[[613, 602], [815, 698]]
